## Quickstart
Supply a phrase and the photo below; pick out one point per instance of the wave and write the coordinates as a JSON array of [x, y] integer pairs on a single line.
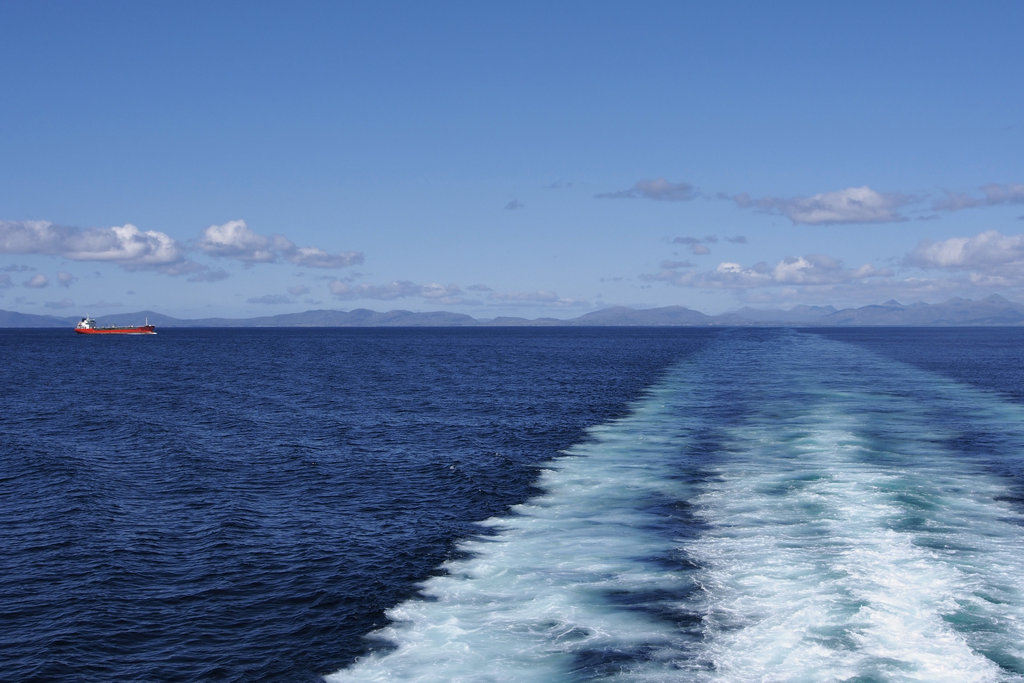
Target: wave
[[778, 507]]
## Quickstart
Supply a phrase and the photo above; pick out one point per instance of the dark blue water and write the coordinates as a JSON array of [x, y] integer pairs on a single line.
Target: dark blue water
[[513, 504], [244, 504]]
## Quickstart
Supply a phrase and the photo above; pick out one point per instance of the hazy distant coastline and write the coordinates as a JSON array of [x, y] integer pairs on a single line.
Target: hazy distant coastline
[[991, 311]]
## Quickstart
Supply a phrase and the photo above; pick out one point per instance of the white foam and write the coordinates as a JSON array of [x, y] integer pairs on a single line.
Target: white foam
[[835, 592], [842, 539], [810, 569], [534, 597]]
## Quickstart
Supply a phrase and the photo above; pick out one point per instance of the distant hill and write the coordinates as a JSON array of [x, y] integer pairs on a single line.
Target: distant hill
[[360, 317], [990, 311], [667, 315], [993, 310], [12, 319]]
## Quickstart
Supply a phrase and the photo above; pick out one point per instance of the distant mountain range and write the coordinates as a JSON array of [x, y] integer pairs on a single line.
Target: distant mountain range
[[991, 311]]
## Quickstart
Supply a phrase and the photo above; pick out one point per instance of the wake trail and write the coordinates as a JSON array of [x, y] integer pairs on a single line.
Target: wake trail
[[778, 507]]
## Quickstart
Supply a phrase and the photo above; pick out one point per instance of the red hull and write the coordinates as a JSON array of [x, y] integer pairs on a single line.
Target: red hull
[[143, 329]]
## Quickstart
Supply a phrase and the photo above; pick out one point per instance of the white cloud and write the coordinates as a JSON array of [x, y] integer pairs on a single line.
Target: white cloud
[[125, 245], [539, 296], [658, 189], [65, 279], [37, 281], [436, 290], [698, 245], [810, 270], [820, 269], [675, 265], [993, 194], [395, 290], [988, 251], [852, 205], [236, 240], [710, 239], [33, 237], [445, 294], [311, 257]]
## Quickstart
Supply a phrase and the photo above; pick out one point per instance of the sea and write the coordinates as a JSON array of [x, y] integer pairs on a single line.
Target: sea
[[513, 504]]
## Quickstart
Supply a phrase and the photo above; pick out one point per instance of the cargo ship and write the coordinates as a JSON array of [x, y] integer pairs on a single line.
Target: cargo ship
[[88, 326]]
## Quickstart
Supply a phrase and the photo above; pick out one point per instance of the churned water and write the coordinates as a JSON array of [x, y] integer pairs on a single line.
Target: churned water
[[245, 504], [525, 504]]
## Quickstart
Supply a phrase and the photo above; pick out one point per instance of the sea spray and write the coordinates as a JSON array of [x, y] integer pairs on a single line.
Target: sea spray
[[778, 508]]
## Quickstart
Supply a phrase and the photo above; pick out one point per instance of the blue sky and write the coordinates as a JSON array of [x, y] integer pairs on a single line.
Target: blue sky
[[529, 158]]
